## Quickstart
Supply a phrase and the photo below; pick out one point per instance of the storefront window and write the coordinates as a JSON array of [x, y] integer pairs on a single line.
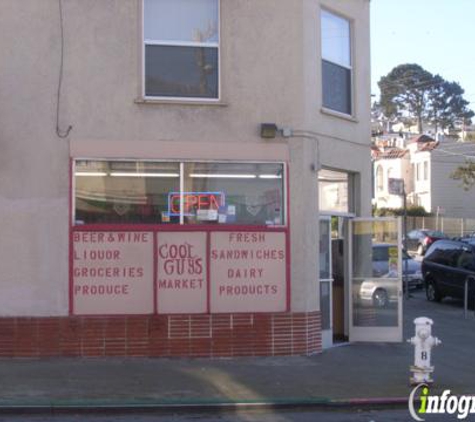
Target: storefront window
[[128, 192], [144, 192], [244, 193]]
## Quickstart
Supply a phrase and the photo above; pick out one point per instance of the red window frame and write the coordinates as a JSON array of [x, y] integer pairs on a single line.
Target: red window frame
[[157, 228]]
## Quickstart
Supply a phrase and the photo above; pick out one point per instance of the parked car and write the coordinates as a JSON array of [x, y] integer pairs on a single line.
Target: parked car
[[378, 292], [381, 290], [411, 269], [445, 268], [420, 239]]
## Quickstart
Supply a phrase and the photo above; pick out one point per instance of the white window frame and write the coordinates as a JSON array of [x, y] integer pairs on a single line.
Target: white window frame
[[217, 45], [350, 67]]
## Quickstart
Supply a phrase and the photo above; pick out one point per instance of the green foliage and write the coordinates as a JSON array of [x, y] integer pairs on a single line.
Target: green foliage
[[466, 174], [411, 93], [405, 91], [447, 104], [412, 211], [470, 137]]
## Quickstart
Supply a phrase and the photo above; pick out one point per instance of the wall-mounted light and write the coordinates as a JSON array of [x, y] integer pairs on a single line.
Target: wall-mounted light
[[269, 130]]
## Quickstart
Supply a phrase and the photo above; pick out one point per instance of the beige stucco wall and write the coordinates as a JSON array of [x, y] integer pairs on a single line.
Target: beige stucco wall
[[270, 72]]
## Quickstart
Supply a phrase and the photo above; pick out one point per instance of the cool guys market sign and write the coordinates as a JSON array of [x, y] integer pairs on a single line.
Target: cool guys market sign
[[178, 272]]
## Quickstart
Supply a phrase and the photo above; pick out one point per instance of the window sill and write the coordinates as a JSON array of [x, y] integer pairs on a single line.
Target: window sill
[[158, 101], [343, 116]]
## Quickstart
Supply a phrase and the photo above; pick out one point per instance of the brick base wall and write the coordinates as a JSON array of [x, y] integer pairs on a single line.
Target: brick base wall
[[221, 335]]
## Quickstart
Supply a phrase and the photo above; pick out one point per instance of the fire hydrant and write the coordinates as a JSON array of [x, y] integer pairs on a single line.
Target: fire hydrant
[[423, 342]]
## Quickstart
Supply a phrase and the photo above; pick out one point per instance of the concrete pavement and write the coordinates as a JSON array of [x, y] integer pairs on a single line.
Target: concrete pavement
[[355, 374]]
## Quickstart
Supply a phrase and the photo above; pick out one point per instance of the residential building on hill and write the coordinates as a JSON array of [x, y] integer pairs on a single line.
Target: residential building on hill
[[425, 165]]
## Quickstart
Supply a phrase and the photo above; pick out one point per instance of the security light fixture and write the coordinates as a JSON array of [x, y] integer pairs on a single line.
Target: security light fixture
[[268, 130], [271, 130]]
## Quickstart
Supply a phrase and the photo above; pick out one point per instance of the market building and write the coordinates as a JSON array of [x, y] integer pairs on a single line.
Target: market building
[[170, 170]]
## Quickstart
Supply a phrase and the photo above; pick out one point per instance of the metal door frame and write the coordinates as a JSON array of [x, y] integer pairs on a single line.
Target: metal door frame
[[378, 333], [327, 335]]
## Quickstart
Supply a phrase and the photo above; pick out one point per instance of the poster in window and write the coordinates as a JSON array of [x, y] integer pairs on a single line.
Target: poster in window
[[112, 273], [181, 272], [248, 272]]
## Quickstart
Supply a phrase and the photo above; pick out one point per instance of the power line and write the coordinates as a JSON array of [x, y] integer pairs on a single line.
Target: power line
[[455, 154]]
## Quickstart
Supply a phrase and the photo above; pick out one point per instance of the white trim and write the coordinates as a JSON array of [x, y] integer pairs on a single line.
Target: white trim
[[182, 43], [188, 100], [339, 115]]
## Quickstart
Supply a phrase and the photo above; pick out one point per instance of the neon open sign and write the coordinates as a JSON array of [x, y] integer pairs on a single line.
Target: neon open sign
[[194, 201]]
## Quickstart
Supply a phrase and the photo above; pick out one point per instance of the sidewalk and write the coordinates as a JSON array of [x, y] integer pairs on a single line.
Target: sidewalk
[[357, 373]]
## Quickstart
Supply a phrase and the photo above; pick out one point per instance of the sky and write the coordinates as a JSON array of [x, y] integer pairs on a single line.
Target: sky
[[436, 34]]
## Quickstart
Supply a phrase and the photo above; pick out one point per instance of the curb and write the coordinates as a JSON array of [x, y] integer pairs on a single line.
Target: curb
[[211, 406]]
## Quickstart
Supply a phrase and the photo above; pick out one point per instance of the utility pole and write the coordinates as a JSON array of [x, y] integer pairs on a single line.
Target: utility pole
[[398, 187]]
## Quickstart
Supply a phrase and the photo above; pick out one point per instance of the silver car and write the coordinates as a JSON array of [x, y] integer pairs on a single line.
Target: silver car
[[382, 289]]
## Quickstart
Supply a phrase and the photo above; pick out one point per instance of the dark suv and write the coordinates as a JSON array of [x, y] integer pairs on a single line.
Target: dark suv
[[445, 268]]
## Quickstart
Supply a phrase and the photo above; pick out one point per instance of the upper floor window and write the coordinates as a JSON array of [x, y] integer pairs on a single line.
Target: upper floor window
[[181, 49], [336, 63]]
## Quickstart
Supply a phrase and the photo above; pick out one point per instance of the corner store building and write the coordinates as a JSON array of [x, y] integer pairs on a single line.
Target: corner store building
[[85, 244]]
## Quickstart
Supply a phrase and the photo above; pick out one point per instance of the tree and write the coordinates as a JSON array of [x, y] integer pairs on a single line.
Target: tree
[[466, 174], [405, 93], [413, 93], [447, 105]]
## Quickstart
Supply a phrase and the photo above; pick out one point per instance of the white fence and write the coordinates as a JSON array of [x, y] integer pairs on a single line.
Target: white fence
[[453, 227]]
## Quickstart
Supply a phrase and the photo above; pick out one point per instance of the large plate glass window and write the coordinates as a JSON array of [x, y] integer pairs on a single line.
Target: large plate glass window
[[181, 42], [336, 63], [124, 192], [247, 194], [147, 192]]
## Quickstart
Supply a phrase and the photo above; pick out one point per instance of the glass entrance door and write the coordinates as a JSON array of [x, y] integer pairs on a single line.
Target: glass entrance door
[[325, 282], [375, 280]]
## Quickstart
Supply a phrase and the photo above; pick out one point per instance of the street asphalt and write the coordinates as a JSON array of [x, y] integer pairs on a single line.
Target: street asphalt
[[348, 375]]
